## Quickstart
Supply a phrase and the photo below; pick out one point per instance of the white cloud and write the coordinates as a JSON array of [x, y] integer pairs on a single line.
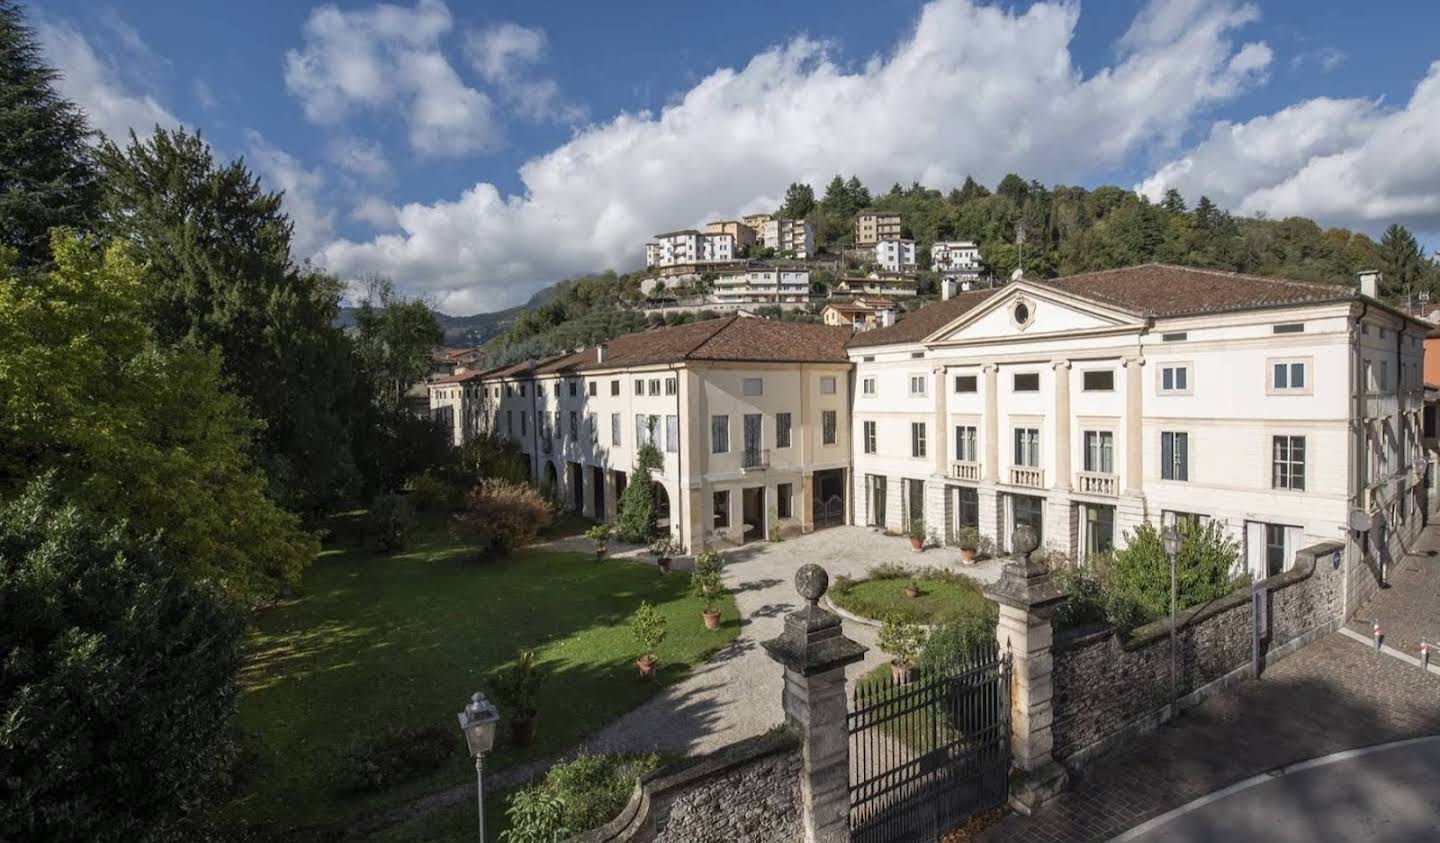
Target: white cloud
[[376, 212], [314, 223], [204, 95], [973, 89], [504, 55], [390, 57], [94, 81], [1347, 162], [359, 157]]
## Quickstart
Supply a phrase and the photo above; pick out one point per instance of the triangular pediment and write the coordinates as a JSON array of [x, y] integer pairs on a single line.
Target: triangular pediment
[[1028, 310]]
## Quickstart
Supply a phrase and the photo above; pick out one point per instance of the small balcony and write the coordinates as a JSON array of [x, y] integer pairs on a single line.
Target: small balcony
[[964, 470], [1097, 483], [757, 459], [1024, 475]]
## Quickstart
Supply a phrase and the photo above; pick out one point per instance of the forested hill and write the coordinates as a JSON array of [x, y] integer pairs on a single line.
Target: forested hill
[[1066, 230]]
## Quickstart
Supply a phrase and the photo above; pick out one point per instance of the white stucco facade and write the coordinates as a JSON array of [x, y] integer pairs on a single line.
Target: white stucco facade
[[895, 255]]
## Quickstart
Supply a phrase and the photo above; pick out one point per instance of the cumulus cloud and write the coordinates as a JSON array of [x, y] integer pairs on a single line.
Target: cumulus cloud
[[971, 90], [504, 55], [314, 221], [1351, 162], [390, 57], [95, 81], [360, 157]]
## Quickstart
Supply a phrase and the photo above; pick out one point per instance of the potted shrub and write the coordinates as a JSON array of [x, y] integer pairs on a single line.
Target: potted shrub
[[518, 689], [901, 640], [648, 627], [664, 549], [912, 589], [600, 535], [917, 535], [969, 539], [708, 585]]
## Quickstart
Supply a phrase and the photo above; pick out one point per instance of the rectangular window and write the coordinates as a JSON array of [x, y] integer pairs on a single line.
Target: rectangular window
[[867, 386], [641, 432], [827, 385], [1175, 379], [869, 436], [509, 392], [510, 423], [1288, 463], [752, 386], [827, 427], [1173, 518], [784, 503], [720, 503], [782, 430], [917, 386], [654, 386], [1099, 530], [672, 386], [672, 434], [754, 444], [1027, 446], [1274, 549], [522, 422], [1100, 451], [916, 355], [1174, 456], [917, 439], [592, 386], [639, 387], [615, 387], [914, 501], [574, 425], [1290, 328], [719, 434], [1177, 336], [573, 387], [966, 383], [522, 390], [1287, 376], [965, 441], [1098, 380], [967, 508], [614, 428], [1027, 382], [540, 389], [592, 427]]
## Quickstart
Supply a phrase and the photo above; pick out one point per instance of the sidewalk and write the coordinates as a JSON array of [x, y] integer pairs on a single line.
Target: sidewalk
[[1409, 610]]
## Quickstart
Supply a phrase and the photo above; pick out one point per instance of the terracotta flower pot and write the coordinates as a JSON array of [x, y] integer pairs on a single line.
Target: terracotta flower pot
[[599, 552], [664, 563], [917, 545], [522, 729], [647, 666], [967, 554], [712, 618], [901, 672], [912, 592]]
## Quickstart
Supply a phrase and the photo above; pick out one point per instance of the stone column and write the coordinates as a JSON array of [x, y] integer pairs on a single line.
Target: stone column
[[807, 502], [814, 652], [992, 423], [1064, 477], [1134, 447], [1027, 598]]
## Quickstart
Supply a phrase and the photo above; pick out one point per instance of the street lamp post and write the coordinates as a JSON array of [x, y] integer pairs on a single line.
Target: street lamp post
[[1171, 540], [478, 722]]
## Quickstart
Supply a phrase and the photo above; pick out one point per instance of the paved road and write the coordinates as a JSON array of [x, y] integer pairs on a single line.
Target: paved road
[[1382, 795]]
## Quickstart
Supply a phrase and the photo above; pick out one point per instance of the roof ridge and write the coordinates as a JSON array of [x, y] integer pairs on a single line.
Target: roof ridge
[[725, 322], [1295, 282]]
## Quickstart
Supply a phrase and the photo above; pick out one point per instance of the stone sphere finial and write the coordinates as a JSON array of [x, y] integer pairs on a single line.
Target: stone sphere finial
[[812, 582], [1023, 541]]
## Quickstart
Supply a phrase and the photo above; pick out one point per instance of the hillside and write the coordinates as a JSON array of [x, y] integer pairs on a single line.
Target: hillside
[[476, 329]]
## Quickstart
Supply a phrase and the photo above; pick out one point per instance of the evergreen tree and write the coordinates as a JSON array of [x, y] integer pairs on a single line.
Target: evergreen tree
[[971, 190], [1400, 262], [859, 193], [1173, 202], [48, 176], [799, 201]]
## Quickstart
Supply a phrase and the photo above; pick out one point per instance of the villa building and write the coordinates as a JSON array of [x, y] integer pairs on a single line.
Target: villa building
[[1082, 406], [751, 417], [873, 226], [957, 259], [861, 313]]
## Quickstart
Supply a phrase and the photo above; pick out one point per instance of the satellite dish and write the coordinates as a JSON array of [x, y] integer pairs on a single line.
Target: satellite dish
[[1360, 521], [1017, 274]]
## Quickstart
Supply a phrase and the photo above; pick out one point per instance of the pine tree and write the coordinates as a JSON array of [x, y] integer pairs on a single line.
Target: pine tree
[[799, 201], [1401, 262], [1173, 202], [48, 176]]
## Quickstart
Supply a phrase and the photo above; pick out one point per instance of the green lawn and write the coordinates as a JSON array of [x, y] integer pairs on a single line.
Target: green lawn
[[373, 643], [940, 600]]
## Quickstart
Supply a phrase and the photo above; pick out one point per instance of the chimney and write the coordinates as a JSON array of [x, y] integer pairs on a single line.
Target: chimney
[[602, 351], [947, 288], [887, 317], [1370, 283]]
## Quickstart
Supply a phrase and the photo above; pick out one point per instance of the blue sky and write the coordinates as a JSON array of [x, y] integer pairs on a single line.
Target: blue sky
[[475, 153]]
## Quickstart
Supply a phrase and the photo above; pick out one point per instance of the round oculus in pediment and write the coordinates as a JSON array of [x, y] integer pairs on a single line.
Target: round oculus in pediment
[[1022, 312]]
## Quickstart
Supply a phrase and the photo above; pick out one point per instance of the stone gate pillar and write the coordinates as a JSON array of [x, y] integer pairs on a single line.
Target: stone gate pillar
[[1027, 599], [814, 652]]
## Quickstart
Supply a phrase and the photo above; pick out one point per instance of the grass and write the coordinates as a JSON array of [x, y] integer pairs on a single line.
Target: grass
[[940, 600], [373, 643]]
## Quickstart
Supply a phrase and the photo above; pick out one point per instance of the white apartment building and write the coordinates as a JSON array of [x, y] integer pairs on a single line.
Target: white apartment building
[[955, 258], [790, 237], [895, 255], [743, 234], [680, 248], [763, 284], [458, 403], [1081, 406], [873, 226], [751, 417]]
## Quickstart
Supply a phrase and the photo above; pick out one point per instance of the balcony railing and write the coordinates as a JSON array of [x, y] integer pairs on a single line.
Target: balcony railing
[[1024, 475], [755, 459], [1096, 483], [965, 470]]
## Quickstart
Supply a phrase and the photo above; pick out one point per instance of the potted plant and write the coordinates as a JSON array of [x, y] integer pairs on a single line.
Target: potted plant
[[912, 589], [917, 535], [708, 585], [901, 640], [600, 535], [518, 689], [648, 627], [969, 539], [664, 549]]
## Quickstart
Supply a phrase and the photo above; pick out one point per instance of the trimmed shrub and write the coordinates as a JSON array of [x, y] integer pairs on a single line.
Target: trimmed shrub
[[955, 642], [1137, 577], [392, 519], [380, 761], [502, 515], [901, 639], [574, 797], [430, 493], [706, 581], [635, 519]]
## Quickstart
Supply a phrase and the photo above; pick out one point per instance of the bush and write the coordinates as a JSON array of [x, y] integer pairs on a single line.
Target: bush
[[887, 571], [502, 515], [380, 761], [635, 518], [430, 493], [393, 520], [599, 534], [517, 687], [648, 627], [1087, 602], [901, 639], [118, 680], [956, 641], [706, 581], [1137, 577], [574, 797], [488, 456]]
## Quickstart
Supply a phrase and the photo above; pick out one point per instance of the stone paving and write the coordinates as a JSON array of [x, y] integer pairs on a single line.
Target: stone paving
[[1335, 694], [1409, 610]]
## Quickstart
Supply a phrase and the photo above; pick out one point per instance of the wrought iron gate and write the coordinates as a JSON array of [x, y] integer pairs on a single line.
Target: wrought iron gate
[[927, 755]]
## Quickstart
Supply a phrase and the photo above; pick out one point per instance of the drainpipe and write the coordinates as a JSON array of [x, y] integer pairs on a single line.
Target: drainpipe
[[1357, 447], [677, 511]]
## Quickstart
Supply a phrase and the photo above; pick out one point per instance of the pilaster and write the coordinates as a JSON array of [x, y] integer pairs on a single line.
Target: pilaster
[[1064, 477], [1134, 448], [992, 422], [940, 423]]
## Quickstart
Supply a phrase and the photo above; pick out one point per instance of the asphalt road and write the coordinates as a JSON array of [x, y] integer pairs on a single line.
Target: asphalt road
[[1385, 794]]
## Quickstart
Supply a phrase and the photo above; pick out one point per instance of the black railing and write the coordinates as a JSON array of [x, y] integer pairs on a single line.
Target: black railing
[[928, 754]]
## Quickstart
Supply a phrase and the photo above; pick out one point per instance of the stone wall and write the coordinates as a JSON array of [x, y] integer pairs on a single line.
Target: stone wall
[[1107, 688], [748, 792]]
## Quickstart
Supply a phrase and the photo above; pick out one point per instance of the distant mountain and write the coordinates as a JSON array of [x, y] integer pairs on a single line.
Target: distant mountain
[[473, 330]]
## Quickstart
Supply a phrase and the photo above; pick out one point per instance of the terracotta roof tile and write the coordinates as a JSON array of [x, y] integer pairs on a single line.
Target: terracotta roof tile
[[919, 324]]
